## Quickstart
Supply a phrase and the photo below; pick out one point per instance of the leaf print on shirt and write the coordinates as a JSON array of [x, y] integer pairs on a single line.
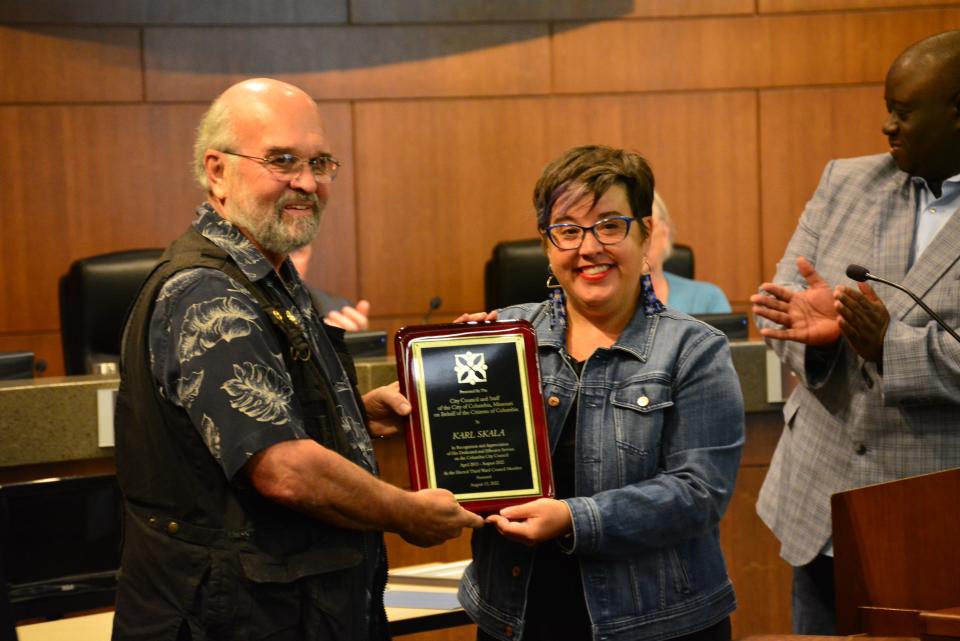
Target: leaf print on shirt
[[177, 283], [282, 367], [188, 388], [211, 436], [259, 392], [237, 288], [228, 238], [353, 428], [343, 385], [207, 323]]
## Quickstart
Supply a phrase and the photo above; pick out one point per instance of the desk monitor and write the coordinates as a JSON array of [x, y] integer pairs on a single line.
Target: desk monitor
[[733, 325], [61, 544], [16, 365], [369, 344]]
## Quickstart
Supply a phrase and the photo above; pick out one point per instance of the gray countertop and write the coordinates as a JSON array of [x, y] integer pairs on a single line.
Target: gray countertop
[[54, 419]]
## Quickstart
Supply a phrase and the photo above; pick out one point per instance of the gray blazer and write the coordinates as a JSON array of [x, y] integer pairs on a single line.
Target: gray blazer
[[847, 425]]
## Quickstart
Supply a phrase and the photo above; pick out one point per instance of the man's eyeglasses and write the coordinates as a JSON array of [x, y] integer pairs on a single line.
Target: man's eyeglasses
[[288, 166], [608, 231]]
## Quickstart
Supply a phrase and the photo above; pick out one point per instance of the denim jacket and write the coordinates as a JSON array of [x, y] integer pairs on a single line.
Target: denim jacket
[[659, 434]]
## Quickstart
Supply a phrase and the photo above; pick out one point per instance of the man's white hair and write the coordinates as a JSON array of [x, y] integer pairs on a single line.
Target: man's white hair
[[662, 215], [215, 131]]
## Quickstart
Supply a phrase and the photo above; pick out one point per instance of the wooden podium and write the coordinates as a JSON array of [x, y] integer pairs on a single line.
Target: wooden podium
[[897, 557]]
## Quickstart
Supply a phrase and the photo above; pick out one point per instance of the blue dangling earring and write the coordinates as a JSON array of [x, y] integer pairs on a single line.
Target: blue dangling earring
[[651, 304], [558, 302]]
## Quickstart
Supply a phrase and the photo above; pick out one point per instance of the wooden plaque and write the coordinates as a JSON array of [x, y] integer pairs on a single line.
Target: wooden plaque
[[477, 427]]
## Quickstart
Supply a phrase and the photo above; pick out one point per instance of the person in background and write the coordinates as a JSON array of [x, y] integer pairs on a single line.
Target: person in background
[[879, 397], [678, 292], [252, 504], [645, 418], [336, 310]]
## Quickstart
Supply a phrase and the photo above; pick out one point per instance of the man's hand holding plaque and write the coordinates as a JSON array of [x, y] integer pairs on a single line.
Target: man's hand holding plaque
[[477, 426]]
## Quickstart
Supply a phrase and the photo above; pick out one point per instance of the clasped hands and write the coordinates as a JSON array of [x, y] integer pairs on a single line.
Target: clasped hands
[[534, 522], [819, 315]]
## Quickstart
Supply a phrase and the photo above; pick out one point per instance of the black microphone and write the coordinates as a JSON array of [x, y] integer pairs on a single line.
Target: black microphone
[[858, 273], [861, 274], [435, 303]]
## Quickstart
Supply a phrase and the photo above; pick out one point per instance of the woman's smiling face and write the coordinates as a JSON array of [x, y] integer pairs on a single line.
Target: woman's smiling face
[[599, 280]]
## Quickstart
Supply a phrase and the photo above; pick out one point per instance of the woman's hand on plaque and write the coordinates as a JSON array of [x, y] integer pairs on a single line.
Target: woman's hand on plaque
[[476, 317], [534, 522]]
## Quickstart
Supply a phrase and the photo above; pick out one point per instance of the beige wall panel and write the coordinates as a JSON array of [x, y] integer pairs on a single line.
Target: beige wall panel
[[69, 65], [775, 51], [438, 184], [386, 11], [477, 162], [173, 11], [774, 6], [800, 130], [350, 62]]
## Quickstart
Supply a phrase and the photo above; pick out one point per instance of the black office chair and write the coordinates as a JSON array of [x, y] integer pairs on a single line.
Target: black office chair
[[517, 272], [95, 295]]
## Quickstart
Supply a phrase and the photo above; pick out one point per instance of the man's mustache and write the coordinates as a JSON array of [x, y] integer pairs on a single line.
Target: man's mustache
[[308, 199]]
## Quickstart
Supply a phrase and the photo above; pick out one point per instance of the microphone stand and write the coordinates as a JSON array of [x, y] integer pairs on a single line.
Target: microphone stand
[[435, 303]]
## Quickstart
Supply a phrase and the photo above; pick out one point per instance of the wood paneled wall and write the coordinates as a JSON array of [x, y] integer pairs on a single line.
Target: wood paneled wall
[[444, 113]]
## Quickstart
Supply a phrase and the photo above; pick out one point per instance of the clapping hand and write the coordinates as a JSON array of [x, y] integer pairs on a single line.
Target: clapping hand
[[808, 316]]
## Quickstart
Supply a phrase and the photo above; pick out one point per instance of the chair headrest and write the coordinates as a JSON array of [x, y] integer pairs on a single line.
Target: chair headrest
[[95, 295], [680, 261], [517, 273]]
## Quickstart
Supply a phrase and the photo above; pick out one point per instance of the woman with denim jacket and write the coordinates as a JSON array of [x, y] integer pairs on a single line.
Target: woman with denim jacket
[[645, 419]]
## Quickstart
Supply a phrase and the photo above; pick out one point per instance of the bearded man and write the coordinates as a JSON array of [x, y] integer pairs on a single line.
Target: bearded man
[[253, 510]]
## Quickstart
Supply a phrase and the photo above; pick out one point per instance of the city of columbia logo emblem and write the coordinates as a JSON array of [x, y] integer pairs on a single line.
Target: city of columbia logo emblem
[[470, 368]]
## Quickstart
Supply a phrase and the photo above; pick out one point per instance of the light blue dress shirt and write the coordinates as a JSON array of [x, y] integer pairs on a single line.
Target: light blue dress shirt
[[695, 296], [932, 212]]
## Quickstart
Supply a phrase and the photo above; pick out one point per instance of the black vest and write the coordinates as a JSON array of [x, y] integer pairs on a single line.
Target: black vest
[[212, 555]]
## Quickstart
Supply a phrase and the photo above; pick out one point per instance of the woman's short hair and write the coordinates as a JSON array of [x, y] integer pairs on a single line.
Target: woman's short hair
[[594, 169]]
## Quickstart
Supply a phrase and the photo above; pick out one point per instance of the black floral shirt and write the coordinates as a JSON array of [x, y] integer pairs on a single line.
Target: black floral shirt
[[213, 353]]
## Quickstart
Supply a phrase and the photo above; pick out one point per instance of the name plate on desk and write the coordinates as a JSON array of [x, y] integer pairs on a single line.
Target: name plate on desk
[[477, 427]]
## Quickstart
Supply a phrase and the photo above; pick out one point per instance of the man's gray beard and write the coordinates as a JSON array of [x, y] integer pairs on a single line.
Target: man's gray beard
[[270, 232]]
